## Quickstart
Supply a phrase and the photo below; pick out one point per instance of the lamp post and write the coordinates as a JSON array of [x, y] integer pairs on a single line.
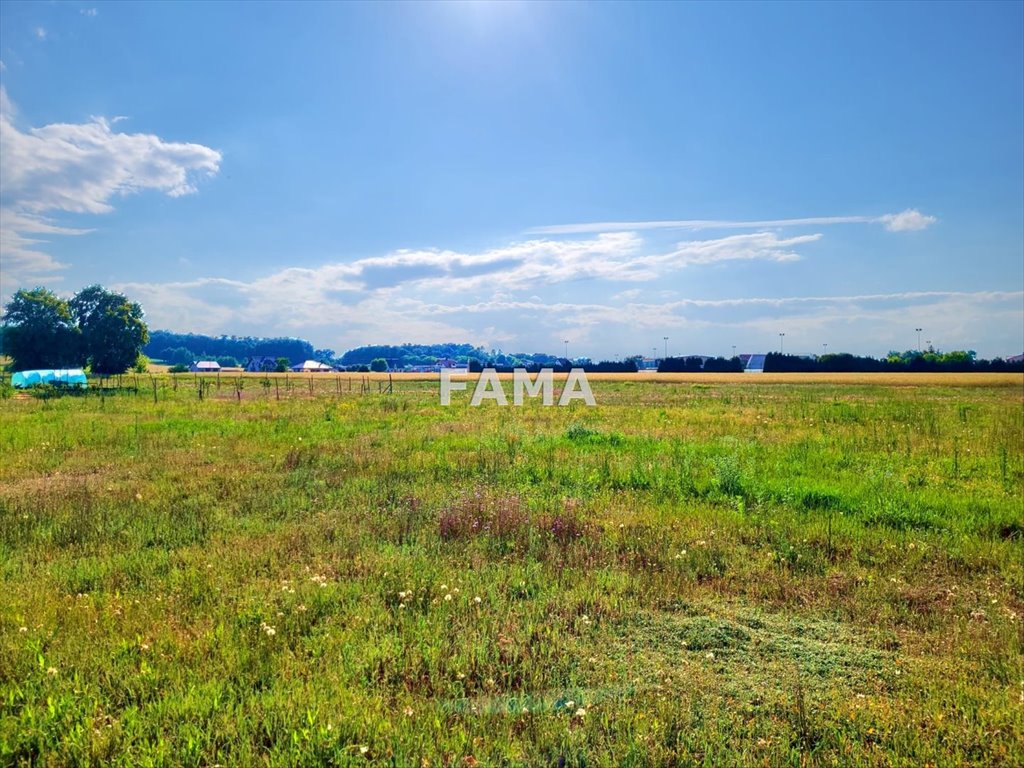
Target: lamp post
[[928, 343], [666, 346], [734, 350], [782, 343], [566, 342], [824, 349], [918, 338]]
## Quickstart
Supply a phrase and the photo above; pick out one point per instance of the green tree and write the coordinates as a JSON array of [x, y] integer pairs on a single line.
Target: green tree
[[112, 327], [378, 364], [40, 331], [282, 364]]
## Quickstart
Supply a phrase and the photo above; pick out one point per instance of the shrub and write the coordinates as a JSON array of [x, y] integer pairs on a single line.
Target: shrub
[[729, 476]]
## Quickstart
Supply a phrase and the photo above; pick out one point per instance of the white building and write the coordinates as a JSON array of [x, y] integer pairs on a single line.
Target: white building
[[312, 366]]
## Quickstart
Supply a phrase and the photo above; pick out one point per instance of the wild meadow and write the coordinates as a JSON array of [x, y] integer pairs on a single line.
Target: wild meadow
[[725, 571]]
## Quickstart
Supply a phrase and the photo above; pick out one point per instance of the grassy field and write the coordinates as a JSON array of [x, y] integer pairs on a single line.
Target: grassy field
[[716, 571]]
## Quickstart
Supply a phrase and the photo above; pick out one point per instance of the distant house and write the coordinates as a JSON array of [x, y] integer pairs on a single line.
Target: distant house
[[312, 366], [1015, 359], [261, 364], [205, 366]]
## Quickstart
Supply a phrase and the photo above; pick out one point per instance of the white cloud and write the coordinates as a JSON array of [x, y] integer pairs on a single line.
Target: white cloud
[[764, 246], [89, 12], [415, 294], [908, 219], [628, 295], [79, 168], [384, 286], [7, 111], [618, 256], [306, 303], [40, 33], [18, 252]]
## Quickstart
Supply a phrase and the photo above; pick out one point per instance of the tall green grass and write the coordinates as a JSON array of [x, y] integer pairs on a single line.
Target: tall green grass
[[733, 574]]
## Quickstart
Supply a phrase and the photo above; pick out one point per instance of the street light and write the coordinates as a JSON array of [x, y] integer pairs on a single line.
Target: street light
[[918, 339], [782, 343], [824, 349], [566, 342], [734, 350], [666, 346]]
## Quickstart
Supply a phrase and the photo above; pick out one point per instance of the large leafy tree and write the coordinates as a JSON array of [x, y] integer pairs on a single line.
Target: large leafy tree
[[40, 331], [112, 327]]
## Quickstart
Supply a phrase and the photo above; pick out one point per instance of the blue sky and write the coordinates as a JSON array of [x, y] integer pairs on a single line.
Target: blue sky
[[517, 174]]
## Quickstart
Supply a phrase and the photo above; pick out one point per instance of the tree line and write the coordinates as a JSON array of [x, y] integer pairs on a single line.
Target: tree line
[[96, 328], [184, 348], [910, 361], [929, 361]]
